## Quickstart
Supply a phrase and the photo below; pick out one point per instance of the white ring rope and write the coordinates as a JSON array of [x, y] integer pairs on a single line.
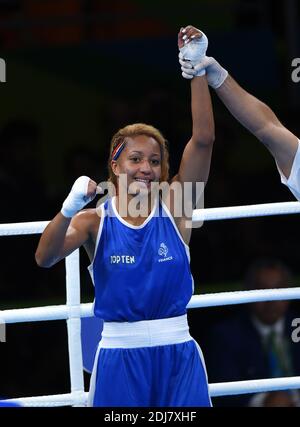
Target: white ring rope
[[73, 310], [210, 214], [215, 390], [253, 386], [69, 399], [20, 228], [243, 297], [246, 211], [63, 312]]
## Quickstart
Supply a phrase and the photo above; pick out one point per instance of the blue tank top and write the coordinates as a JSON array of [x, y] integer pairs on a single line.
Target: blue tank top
[[140, 272]]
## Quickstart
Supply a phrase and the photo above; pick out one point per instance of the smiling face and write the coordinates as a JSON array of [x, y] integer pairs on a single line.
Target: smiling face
[[140, 160], [137, 132]]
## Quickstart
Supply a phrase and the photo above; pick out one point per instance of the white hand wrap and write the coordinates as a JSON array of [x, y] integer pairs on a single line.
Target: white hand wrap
[[77, 197], [188, 71], [194, 51], [215, 73]]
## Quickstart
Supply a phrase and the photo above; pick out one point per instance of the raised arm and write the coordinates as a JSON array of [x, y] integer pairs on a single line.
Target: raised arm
[[196, 158], [70, 228], [195, 163], [261, 121], [252, 113]]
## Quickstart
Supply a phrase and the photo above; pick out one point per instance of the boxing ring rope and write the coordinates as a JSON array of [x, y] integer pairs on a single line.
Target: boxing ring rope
[[73, 310], [63, 312], [210, 214]]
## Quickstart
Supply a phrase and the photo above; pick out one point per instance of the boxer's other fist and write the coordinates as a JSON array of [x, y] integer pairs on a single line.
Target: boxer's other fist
[[83, 191]]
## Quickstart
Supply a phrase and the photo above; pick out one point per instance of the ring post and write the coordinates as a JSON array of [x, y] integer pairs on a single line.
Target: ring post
[[74, 326]]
